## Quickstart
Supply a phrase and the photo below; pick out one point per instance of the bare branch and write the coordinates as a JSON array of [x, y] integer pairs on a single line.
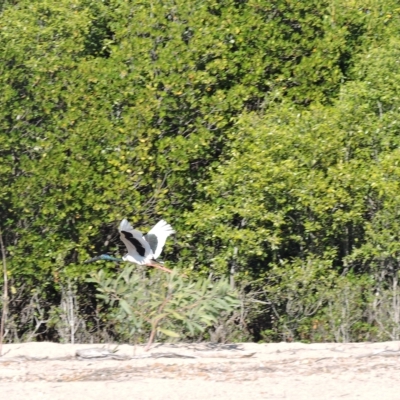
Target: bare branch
[[5, 293]]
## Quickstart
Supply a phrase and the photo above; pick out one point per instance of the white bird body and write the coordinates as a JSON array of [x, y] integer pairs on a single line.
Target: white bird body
[[144, 250]]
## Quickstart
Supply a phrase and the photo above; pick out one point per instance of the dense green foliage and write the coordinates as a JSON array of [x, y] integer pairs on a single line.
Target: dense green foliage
[[266, 132]]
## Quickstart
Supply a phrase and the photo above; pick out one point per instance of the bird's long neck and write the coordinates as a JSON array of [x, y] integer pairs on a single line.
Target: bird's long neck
[[110, 258], [105, 257]]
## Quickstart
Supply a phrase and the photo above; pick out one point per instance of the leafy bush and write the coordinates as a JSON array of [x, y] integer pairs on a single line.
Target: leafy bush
[[165, 304]]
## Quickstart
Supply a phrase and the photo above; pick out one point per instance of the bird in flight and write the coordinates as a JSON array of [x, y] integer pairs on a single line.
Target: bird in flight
[[142, 249]]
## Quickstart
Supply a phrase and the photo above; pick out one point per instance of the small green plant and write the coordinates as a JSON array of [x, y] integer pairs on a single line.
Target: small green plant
[[167, 304]]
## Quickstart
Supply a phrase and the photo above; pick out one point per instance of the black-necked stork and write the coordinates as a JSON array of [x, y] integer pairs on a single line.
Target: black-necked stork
[[142, 250]]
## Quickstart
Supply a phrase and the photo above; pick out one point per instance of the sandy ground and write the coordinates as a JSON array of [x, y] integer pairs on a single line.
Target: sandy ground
[[246, 371]]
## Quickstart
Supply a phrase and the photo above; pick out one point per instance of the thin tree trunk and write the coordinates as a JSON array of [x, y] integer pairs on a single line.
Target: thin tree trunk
[[5, 294], [233, 268]]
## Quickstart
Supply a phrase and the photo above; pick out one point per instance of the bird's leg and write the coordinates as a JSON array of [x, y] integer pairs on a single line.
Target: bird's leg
[[155, 264]]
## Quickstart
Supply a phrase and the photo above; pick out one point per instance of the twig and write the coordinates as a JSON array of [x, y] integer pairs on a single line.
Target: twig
[[385, 353], [5, 294], [155, 323]]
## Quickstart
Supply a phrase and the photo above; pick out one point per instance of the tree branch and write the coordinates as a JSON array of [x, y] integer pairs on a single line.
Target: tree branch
[[5, 293]]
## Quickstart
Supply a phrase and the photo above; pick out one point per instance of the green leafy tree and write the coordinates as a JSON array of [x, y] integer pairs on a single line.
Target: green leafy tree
[[266, 132]]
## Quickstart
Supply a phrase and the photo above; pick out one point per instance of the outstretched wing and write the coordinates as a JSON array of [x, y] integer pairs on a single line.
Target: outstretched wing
[[139, 250], [158, 236]]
